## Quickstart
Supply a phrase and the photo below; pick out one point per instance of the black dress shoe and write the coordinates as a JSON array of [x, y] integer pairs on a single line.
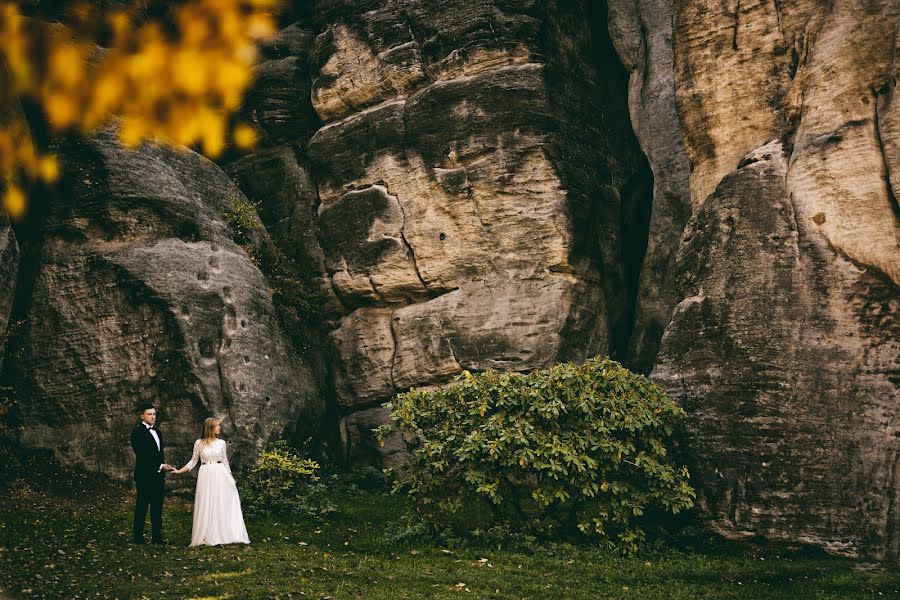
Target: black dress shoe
[[162, 541]]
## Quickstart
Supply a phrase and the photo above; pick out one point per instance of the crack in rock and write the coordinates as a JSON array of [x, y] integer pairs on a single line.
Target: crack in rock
[[887, 167]]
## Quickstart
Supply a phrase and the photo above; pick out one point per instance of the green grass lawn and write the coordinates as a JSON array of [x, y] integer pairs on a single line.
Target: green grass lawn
[[67, 536]]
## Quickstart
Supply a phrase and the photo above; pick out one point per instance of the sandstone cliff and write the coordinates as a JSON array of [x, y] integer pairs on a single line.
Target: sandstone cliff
[[784, 347], [703, 189]]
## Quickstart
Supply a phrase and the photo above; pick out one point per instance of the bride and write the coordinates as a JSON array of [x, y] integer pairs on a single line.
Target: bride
[[217, 506]]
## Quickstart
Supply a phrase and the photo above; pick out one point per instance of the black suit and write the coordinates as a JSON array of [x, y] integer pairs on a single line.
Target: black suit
[[149, 480]]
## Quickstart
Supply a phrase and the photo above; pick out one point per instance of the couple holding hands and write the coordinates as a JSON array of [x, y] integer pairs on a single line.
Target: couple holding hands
[[217, 506]]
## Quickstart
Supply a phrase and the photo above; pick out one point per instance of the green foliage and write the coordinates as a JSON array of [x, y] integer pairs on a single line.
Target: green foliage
[[574, 450], [242, 219], [285, 483], [63, 535], [296, 300]]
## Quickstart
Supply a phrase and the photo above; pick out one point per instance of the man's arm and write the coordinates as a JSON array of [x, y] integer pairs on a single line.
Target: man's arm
[[134, 441]]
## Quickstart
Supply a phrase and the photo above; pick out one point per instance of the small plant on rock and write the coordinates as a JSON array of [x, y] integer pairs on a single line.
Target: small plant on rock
[[242, 219], [574, 450]]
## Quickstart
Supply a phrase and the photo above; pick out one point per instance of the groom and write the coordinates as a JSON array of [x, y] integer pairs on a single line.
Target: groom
[[149, 475]]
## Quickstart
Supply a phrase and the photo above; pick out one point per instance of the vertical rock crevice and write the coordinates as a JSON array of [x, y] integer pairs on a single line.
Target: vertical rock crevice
[[608, 179], [641, 34], [885, 95]]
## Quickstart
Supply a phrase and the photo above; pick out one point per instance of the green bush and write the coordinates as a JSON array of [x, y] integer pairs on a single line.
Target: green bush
[[284, 483], [574, 450]]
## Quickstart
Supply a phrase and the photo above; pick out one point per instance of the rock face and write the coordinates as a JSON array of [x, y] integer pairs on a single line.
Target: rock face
[[277, 177], [470, 216], [142, 296], [782, 354], [783, 348]]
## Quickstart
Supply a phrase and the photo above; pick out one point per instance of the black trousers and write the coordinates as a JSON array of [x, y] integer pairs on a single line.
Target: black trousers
[[149, 495]]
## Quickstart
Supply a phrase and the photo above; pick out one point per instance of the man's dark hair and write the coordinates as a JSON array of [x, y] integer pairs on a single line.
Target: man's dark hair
[[144, 406]]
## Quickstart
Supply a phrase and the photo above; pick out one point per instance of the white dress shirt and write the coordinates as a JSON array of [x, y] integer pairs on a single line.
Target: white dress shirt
[[155, 439]]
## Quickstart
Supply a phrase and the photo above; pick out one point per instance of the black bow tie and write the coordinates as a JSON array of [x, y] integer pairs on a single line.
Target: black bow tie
[[150, 427]]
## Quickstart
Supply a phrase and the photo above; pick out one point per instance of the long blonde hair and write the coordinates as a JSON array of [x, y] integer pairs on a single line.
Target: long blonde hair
[[208, 425]]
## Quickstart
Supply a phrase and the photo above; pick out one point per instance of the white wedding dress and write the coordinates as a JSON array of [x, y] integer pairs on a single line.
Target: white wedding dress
[[217, 505]]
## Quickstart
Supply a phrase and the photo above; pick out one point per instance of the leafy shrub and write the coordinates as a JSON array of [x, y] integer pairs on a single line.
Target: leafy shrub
[[574, 450], [284, 483]]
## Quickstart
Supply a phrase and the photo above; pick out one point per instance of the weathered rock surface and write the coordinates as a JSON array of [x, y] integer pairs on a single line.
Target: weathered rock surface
[[356, 435], [277, 177], [783, 348], [142, 296], [278, 101], [784, 355], [469, 217]]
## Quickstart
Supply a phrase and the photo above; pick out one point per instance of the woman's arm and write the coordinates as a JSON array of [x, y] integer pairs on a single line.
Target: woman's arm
[[191, 463], [225, 458]]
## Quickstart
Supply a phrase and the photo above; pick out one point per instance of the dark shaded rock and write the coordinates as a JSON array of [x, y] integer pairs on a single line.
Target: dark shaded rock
[[641, 31], [362, 448], [277, 176], [278, 101], [286, 199], [275, 101], [9, 270], [784, 354], [365, 344], [296, 39]]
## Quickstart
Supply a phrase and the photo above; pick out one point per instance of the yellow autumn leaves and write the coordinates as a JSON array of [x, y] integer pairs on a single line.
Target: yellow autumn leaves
[[176, 79]]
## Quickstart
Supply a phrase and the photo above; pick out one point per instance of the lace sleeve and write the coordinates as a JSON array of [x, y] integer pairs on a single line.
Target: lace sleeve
[[194, 457], [225, 456]]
